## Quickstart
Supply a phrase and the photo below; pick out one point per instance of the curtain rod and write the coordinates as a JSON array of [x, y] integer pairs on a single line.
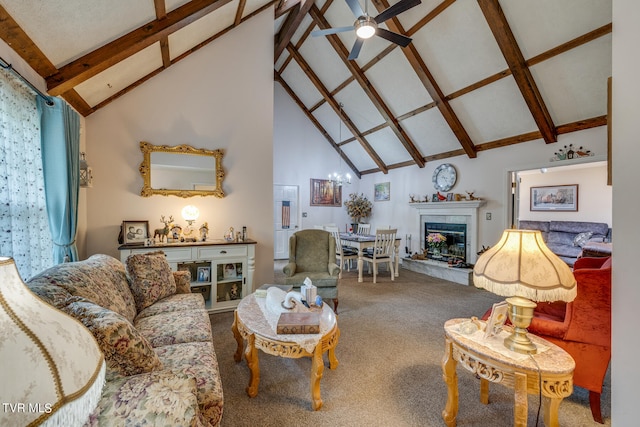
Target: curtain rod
[[4, 64]]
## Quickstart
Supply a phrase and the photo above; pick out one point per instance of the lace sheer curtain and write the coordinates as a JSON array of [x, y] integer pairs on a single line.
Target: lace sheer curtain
[[24, 226]]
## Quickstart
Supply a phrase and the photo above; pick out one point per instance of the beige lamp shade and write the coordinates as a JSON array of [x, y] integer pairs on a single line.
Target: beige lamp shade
[[521, 264], [51, 369]]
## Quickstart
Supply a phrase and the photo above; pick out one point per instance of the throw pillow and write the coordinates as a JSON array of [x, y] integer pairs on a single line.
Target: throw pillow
[[125, 349], [151, 278], [183, 282], [582, 238]]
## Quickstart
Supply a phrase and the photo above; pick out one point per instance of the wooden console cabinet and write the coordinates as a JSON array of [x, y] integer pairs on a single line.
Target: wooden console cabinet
[[222, 271]]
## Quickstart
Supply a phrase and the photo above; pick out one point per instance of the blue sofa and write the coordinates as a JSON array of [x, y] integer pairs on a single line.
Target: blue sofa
[[566, 238]]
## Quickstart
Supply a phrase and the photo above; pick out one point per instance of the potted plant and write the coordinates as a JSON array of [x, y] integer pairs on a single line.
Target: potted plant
[[358, 207]]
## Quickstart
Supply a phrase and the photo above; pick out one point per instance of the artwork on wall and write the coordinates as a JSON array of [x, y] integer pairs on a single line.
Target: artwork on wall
[[382, 192], [325, 192], [559, 198]]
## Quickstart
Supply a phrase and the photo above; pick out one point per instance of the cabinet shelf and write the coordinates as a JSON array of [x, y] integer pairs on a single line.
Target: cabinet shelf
[[221, 272]]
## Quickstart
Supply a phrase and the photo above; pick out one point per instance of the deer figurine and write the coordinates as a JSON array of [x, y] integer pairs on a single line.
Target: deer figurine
[[162, 233]]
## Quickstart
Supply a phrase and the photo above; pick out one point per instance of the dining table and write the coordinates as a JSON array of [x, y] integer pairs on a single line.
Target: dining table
[[364, 241]]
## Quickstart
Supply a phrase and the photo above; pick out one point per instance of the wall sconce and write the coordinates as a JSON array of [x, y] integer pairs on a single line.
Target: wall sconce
[[86, 173]]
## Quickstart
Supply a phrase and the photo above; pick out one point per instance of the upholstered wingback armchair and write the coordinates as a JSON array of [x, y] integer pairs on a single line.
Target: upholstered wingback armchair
[[582, 327], [312, 254]]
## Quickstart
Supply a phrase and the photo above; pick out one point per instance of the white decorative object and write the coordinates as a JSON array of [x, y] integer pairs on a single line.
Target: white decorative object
[[52, 369]]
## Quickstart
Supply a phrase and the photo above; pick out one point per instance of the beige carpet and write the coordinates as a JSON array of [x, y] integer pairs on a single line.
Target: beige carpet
[[389, 372]]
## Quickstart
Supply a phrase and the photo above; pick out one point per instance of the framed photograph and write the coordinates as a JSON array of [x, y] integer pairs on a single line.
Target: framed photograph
[[230, 271], [135, 232], [325, 193], [434, 198], [382, 192], [561, 198], [496, 321], [204, 274], [449, 197]]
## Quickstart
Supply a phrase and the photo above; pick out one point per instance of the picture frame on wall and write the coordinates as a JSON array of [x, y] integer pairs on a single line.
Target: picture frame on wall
[[325, 192], [135, 232], [554, 198], [382, 192]]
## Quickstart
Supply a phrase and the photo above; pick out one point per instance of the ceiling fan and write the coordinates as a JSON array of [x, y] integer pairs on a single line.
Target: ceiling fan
[[367, 26]]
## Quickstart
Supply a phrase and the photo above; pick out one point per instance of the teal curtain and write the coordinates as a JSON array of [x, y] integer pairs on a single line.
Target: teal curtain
[[60, 140]]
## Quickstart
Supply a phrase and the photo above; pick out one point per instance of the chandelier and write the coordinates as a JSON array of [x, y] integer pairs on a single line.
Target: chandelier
[[337, 178]]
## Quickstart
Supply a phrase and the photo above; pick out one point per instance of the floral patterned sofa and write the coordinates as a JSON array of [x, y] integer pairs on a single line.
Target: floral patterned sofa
[[155, 335]]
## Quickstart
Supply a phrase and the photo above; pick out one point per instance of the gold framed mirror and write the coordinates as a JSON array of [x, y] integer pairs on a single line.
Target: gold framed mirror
[[181, 170]]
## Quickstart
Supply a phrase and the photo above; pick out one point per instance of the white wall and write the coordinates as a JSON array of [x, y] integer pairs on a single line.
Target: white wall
[[625, 371], [219, 97], [594, 195]]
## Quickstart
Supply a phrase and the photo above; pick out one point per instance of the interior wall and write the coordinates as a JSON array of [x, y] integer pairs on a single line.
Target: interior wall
[[221, 96], [625, 372], [594, 195]]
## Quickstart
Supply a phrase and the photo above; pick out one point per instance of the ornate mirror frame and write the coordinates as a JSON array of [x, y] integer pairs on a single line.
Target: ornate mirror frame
[[145, 170]]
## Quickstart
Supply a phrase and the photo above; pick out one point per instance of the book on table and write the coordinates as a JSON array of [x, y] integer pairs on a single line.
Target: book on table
[[299, 323]]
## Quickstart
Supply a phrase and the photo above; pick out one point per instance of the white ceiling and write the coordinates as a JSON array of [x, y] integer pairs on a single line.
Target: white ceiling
[[457, 47]]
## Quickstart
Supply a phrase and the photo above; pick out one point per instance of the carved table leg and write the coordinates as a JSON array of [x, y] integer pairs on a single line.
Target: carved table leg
[[237, 356], [520, 400], [550, 407], [450, 377], [484, 391], [333, 361], [317, 369], [360, 265], [251, 354]]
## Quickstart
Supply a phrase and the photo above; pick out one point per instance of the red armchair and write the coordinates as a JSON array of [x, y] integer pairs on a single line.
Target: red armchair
[[582, 327]]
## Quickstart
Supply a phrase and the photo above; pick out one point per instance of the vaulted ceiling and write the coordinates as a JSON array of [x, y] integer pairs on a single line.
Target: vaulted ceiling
[[478, 74]]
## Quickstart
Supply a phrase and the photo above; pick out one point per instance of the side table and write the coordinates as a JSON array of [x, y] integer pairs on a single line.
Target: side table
[[251, 325], [551, 368]]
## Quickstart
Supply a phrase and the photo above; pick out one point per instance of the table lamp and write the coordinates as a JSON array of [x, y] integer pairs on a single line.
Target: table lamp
[[522, 267], [51, 368]]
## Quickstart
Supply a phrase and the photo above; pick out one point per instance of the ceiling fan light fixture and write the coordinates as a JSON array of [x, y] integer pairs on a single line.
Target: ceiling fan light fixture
[[365, 27]]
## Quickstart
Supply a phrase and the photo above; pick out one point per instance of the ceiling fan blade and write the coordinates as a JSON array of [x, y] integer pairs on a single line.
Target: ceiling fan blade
[[396, 9], [355, 7], [355, 50], [331, 31], [396, 38]]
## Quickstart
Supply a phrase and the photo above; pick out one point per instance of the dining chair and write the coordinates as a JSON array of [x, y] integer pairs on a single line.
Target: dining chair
[[343, 253], [382, 251], [363, 229]]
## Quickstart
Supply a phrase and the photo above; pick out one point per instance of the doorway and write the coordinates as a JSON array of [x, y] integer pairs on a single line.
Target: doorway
[[285, 214]]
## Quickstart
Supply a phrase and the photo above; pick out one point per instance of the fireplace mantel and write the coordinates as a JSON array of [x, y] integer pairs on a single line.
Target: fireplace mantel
[[465, 211]]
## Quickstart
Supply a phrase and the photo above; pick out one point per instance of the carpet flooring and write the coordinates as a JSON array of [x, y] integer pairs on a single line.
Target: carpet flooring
[[389, 373]]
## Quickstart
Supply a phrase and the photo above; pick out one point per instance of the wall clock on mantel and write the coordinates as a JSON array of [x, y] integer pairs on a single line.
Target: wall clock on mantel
[[444, 177]]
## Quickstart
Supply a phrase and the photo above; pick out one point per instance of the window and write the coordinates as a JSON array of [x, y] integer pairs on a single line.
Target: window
[[24, 226]]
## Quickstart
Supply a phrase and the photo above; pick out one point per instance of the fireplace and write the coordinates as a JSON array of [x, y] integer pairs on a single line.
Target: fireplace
[[455, 248]]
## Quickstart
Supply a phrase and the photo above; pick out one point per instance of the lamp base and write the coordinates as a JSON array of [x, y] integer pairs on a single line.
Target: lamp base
[[520, 314]]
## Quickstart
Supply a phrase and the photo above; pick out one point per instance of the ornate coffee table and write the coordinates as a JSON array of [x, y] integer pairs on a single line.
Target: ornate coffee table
[[251, 325], [549, 372]]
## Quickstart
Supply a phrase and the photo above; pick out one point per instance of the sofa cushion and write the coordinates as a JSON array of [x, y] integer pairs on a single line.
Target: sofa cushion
[[599, 229], [183, 282], [151, 278], [582, 238], [157, 398], [198, 360], [125, 349], [100, 279], [173, 303], [175, 327]]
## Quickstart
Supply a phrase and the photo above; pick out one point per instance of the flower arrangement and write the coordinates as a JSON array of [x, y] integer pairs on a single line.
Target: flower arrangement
[[436, 240], [358, 207]]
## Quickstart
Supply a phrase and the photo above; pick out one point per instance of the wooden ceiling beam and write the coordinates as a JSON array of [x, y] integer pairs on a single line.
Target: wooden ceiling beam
[[112, 53], [239, 12], [336, 107], [522, 75], [369, 89], [323, 131], [290, 26], [430, 84]]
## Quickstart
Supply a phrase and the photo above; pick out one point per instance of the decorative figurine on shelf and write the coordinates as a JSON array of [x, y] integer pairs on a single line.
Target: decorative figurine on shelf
[[412, 198], [471, 196], [176, 232], [162, 233], [204, 232], [441, 197], [234, 293], [230, 235]]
